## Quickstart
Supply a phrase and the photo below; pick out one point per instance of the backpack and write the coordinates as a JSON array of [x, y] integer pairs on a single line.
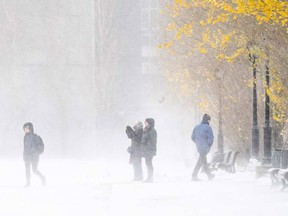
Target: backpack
[[39, 144]]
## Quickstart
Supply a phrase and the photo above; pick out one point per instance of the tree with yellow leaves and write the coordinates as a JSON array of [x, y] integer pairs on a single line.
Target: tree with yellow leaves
[[232, 31]]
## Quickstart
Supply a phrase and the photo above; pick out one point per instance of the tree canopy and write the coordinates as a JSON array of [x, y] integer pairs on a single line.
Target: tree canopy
[[214, 40]]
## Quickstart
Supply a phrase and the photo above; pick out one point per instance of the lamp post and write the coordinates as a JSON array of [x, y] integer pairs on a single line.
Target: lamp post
[[255, 129], [220, 126], [196, 102], [267, 128]]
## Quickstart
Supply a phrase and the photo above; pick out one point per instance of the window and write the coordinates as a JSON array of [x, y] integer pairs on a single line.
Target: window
[[149, 45], [149, 68], [150, 14], [145, 21], [149, 51], [154, 4], [154, 19]]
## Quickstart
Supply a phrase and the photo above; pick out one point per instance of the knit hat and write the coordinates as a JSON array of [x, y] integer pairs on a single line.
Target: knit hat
[[29, 125], [138, 125], [206, 118], [151, 122]]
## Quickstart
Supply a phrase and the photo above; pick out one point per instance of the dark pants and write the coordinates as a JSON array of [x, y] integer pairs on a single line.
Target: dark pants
[[137, 166], [202, 161], [34, 162], [150, 169]]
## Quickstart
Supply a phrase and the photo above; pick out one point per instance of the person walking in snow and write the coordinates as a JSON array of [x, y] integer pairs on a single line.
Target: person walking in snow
[[203, 136], [134, 149], [33, 147], [149, 148]]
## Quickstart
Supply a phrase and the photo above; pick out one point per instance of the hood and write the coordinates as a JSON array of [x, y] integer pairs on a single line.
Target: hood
[[151, 122], [30, 126], [206, 118]]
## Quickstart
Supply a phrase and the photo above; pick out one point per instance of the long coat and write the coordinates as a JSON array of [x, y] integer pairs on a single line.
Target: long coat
[[135, 135], [203, 136], [149, 141]]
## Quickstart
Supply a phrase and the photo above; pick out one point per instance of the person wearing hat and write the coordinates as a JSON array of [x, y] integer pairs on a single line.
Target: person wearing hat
[[203, 136], [31, 153], [135, 134], [149, 149]]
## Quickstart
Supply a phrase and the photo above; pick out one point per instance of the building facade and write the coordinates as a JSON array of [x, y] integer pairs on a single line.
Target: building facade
[[55, 56]]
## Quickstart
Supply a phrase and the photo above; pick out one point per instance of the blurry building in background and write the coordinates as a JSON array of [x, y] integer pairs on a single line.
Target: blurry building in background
[[150, 13], [150, 59], [49, 62], [46, 65], [138, 33]]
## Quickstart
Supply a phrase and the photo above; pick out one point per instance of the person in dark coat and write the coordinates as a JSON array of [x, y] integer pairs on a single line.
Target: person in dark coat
[[203, 136], [135, 135], [31, 154], [149, 148]]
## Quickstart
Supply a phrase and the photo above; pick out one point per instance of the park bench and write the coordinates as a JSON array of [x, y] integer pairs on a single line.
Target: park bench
[[230, 165], [278, 177], [219, 158]]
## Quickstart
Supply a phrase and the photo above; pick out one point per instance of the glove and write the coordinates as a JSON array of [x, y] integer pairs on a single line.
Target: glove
[[128, 128]]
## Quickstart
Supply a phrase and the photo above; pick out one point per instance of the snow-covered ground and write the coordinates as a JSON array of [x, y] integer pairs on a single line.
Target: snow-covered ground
[[99, 187]]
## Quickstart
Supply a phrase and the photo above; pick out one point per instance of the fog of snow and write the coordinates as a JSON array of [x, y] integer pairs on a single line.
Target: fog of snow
[[104, 187], [81, 91]]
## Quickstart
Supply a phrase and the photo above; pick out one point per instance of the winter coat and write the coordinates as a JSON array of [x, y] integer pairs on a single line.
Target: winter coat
[[149, 140], [135, 135], [30, 147], [203, 136]]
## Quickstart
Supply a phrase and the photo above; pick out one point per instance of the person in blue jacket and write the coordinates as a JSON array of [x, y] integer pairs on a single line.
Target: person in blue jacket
[[203, 136]]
